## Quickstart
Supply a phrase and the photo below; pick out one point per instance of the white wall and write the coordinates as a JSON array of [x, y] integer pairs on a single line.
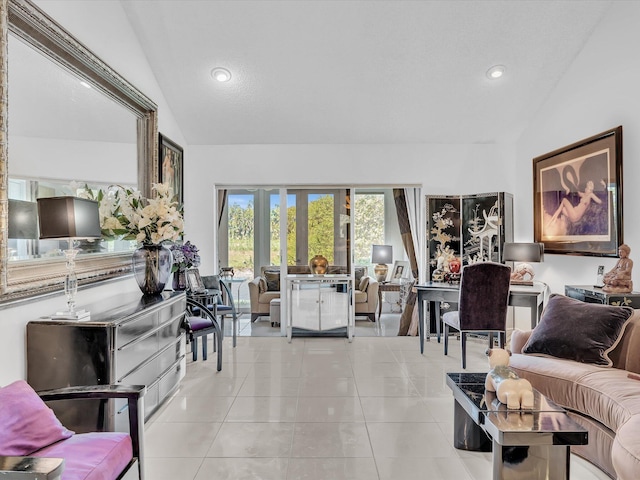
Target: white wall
[[95, 162], [441, 169], [598, 92], [13, 323], [102, 26]]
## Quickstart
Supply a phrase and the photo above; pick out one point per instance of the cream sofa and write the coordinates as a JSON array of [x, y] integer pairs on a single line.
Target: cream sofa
[[266, 287], [605, 400]]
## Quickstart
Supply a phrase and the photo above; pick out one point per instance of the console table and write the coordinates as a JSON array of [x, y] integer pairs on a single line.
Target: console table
[[591, 294], [129, 339], [534, 441], [436, 292]]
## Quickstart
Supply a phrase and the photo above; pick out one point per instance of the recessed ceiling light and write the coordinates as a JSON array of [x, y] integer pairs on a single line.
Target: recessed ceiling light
[[495, 72], [221, 74], [85, 84]]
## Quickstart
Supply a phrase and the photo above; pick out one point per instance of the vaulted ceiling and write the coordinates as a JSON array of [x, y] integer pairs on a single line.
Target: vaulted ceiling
[[342, 72]]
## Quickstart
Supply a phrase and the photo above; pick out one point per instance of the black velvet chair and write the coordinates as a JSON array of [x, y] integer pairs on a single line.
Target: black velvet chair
[[201, 321], [482, 305]]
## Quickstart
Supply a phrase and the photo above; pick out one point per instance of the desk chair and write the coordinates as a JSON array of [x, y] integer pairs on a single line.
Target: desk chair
[[200, 321], [225, 304], [482, 305]]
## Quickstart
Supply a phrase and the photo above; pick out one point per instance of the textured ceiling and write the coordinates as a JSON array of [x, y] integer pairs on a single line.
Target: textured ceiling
[[359, 71]]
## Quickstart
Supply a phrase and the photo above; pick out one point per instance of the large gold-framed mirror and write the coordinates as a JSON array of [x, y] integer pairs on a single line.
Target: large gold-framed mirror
[[31, 26]]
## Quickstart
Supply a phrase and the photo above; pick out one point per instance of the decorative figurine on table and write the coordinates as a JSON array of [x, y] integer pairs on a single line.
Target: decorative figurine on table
[[454, 271], [618, 279], [515, 392], [318, 265], [227, 272], [444, 257], [523, 272]]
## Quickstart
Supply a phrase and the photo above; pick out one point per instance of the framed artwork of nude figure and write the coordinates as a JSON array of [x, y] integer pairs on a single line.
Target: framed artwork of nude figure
[[577, 197], [171, 169]]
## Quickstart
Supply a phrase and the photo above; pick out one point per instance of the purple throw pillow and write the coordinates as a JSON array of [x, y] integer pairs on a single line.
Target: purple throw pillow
[[575, 330], [26, 423]]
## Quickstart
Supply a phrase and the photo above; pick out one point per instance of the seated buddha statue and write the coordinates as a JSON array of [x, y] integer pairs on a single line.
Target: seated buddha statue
[[618, 279]]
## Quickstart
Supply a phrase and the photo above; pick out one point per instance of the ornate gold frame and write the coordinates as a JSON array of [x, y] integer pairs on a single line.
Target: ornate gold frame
[[24, 19]]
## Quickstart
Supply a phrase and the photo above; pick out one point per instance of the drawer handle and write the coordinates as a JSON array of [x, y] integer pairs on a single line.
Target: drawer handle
[[153, 357], [167, 372], [149, 333]]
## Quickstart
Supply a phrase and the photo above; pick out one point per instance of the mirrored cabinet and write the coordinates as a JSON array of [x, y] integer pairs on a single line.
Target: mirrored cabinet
[[320, 304]]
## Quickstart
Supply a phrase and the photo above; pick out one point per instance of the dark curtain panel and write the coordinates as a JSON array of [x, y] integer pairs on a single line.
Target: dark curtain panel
[[405, 231], [222, 201]]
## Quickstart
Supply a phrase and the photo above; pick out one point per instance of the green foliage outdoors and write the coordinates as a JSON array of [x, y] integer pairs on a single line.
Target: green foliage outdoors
[[369, 225], [321, 228], [369, 229], [241, 231]]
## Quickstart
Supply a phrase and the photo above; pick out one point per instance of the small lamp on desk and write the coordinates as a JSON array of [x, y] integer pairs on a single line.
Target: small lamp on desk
[[71, 218], [382, 255], [524, 253]]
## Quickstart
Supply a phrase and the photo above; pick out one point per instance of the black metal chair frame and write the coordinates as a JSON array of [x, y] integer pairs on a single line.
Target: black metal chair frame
[[224, 309], [195, 308]]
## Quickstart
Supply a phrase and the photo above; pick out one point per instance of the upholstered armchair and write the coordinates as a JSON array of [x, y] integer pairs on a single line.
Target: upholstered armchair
[[262, 291], [366, 298], [35, 445]]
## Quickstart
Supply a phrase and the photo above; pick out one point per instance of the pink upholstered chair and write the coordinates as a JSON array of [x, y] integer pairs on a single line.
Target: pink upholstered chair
[[35, 445]]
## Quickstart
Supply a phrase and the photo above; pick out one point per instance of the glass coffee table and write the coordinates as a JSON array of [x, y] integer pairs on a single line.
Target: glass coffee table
[[533, 444]]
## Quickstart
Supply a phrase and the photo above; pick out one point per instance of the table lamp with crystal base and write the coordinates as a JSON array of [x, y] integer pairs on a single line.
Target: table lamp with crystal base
[[523, 252], [72, 218], [382, 255]]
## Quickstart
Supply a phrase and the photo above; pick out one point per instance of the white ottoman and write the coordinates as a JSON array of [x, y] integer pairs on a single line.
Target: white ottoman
[[274, 312]]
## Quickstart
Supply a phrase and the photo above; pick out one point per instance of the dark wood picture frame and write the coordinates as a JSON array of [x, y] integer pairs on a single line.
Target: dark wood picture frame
[[577, 197], [171, 166]]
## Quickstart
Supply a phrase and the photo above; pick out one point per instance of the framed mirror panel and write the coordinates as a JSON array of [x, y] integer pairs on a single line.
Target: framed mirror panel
[[90, 125]]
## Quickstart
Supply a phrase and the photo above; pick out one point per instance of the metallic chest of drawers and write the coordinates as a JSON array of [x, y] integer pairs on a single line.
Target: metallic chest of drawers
[[129, 339]]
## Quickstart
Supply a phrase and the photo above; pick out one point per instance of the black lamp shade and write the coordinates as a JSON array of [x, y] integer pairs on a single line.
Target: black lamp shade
[[23, 219], [381, 254], [523, 252], [68, 217]]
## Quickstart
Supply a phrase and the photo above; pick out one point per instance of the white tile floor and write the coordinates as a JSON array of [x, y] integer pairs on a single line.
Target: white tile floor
[[364, 328], [319, 408]]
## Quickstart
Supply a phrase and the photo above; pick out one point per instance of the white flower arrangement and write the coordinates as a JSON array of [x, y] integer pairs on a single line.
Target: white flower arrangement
[[125, 214]]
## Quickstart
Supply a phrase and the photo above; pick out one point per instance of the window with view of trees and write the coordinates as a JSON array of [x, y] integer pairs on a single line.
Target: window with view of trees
[[241, 231], [369, 225], [319, 226]]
